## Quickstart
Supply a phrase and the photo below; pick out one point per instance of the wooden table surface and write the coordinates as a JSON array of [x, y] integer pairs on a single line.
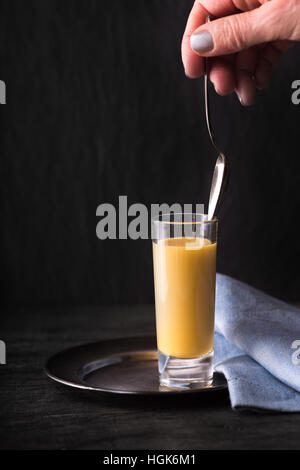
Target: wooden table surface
[[36, 413]]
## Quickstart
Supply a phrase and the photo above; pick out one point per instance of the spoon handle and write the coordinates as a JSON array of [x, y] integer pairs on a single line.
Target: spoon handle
[[206, 100], [221, 171]]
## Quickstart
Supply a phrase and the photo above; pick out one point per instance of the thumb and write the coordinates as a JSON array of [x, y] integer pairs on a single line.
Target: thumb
[[241, 31]]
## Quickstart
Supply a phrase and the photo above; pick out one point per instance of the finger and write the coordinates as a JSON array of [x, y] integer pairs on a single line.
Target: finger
[[269, 56], [193, 63], [222, 75], [238, 32], [246, 62], [283, 45]]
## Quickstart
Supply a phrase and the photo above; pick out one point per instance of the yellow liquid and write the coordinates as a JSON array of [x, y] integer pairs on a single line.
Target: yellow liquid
[[184, 278]]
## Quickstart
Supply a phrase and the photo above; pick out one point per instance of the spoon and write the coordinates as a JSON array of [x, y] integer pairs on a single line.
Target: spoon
[[221, 171]]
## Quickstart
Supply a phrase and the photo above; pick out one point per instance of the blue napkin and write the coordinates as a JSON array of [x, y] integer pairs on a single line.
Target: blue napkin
[[257, 347]]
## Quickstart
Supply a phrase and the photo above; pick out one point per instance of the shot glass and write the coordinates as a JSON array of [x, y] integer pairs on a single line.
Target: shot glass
[[184, 258]]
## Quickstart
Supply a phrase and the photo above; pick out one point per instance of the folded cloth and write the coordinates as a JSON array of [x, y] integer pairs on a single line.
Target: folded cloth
[[257, 347]]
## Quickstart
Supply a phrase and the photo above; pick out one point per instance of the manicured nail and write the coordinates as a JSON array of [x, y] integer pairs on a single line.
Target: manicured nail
[[202, 42]]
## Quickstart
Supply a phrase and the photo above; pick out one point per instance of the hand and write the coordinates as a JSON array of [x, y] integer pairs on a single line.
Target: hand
[[245, 42]]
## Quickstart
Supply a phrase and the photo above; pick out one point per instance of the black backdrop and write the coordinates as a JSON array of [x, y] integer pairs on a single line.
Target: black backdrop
[[98, 106]]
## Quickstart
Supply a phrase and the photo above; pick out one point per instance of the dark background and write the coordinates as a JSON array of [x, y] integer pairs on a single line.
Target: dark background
[[98, 106]]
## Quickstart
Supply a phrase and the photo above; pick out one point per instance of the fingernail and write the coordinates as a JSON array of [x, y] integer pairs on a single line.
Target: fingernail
[[202, 42], [240, 98], [218, 91], [246, 89]]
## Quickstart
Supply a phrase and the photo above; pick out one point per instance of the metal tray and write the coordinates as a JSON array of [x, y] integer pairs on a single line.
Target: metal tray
[[119, 366]]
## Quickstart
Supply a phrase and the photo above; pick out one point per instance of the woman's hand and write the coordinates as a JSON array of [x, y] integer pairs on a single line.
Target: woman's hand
[[245, 42]]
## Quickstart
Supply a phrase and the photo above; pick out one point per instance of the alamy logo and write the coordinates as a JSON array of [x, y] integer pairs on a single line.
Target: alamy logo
[[2, 352], [296, 354], [296, 93], [133, 222], [2, 92]]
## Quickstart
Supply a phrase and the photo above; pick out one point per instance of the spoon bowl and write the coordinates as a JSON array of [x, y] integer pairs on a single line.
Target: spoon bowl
[[218, 185]]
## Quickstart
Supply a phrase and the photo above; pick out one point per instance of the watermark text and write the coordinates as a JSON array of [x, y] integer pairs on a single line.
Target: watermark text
[[134, 222], [2, 92], [296, 93], [296, 354], [2, 352]]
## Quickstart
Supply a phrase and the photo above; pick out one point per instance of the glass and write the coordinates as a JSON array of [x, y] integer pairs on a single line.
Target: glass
[[184, 258]]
